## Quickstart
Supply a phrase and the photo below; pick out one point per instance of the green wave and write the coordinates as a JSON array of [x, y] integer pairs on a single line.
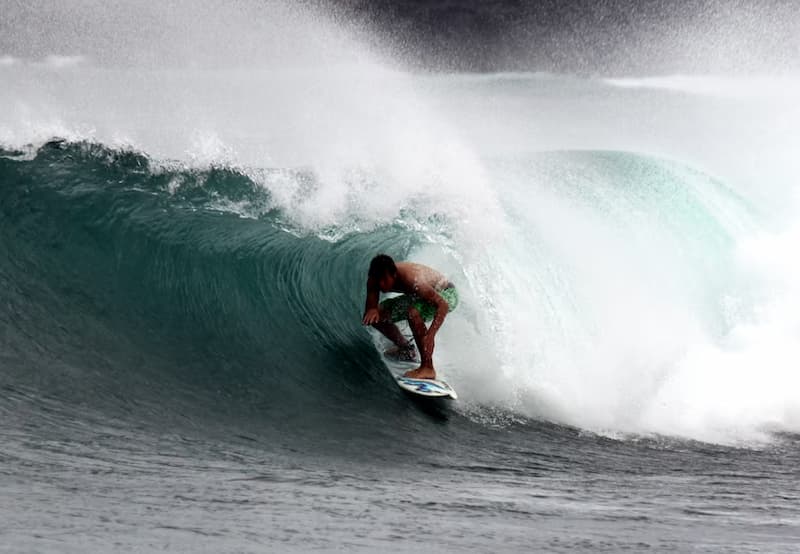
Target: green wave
[[113, 277]]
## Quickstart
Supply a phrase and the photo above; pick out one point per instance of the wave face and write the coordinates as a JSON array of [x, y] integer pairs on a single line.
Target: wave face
[[127, 285], [604, 303]]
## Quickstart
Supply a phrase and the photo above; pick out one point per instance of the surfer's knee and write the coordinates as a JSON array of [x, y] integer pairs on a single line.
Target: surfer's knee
[[413, 315]]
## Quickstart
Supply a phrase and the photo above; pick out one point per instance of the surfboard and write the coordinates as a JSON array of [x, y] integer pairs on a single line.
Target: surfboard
[[429, 388], [418, 388]]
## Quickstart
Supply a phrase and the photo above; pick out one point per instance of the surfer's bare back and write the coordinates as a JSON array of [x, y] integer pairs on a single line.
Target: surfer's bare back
[[427, 295]]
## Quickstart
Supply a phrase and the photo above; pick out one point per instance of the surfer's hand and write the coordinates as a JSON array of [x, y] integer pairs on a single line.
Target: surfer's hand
[[371, 316]]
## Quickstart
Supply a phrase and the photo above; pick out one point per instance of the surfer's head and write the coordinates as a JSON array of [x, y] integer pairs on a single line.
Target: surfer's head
[[383, 270]]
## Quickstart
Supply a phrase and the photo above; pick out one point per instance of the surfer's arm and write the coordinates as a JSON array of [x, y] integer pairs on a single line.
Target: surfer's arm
[[371, 311]]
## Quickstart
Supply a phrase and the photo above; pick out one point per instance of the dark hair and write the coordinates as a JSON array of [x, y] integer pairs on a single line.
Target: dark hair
[[382, 265]]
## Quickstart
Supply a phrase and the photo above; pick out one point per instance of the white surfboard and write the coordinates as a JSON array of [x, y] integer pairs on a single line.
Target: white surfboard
[[430, 388], [425, 388]]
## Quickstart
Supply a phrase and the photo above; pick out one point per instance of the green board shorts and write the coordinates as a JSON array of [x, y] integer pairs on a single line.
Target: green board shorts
[[399, 305]]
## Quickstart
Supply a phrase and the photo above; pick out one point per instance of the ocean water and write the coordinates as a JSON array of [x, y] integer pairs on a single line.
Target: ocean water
[[183, 253]]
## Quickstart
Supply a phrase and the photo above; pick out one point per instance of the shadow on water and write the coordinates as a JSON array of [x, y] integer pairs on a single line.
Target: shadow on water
[[438, 409]]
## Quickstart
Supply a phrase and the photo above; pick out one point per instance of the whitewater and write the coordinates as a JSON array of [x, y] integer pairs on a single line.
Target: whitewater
[[184, 252]]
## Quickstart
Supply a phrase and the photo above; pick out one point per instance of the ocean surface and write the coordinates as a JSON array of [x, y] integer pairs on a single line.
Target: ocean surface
[[183, 256]]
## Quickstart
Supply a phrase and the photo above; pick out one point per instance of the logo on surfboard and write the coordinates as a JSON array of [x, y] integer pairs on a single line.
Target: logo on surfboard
[[426, 387]]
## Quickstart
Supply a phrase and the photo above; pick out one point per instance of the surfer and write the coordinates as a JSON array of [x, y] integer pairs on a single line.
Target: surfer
[[427, 295]]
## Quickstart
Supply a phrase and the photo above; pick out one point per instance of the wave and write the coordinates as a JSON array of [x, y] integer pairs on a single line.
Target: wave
[[611, 296], [143, 281]]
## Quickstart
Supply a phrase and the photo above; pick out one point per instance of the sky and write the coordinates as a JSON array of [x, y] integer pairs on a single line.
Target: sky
[[609, 37], [587, 36]]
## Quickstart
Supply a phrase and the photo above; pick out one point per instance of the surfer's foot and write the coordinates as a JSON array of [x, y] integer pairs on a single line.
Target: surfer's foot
[[421, 373], [407, 353]]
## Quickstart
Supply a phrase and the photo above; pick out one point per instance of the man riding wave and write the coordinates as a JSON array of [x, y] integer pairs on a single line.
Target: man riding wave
[[427, 296]]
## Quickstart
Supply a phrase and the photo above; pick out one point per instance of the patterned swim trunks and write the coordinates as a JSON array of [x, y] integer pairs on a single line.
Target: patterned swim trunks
[[399, 305]]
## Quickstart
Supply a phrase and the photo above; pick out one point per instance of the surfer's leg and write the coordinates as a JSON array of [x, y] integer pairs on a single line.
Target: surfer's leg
[[391, 332], [424, 344], [392, 310], [404, 350]]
